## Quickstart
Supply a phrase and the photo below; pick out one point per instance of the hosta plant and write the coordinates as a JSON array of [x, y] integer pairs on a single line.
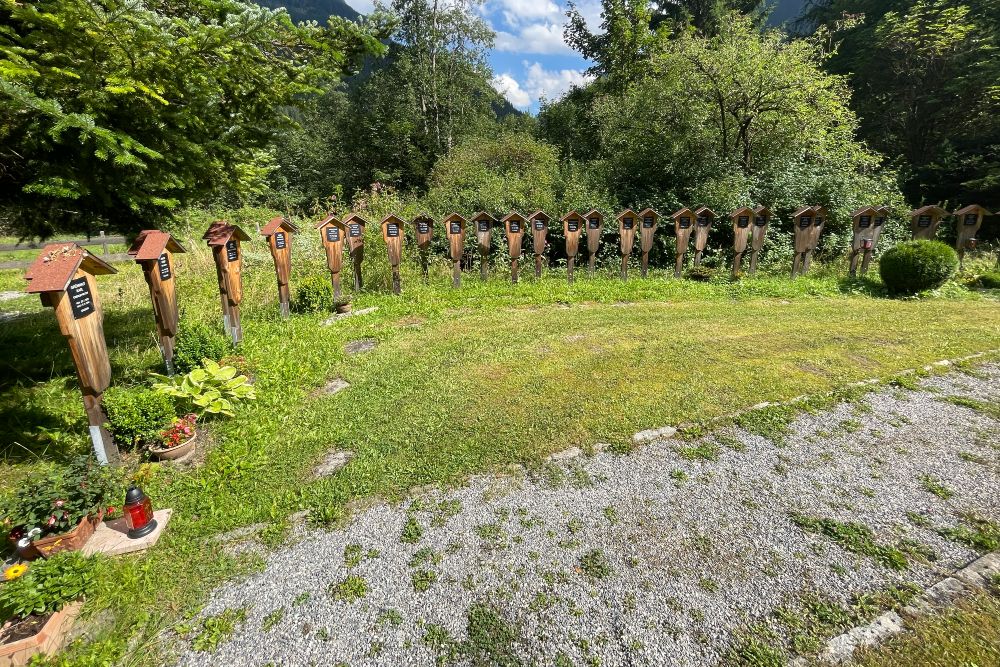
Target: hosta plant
[[211, 389]]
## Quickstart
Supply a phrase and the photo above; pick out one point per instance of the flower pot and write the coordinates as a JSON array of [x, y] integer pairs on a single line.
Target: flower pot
[[342, 308], [69, 541], [48, 639], [174, 453]]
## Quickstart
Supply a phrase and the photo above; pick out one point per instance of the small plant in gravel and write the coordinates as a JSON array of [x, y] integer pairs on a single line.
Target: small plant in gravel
[[981, 534], [932, 485], [491, 534], [702, 451], [422, 580], [679, 476], [611, 514], [445, 510], [988, 409], [908, 381], [390, 616], [756, 647], [412, 532], [353, 553], [918, 519], [301, 599], [351, 589], [854, 537], [217, 629], [709, 585], [492, 639], [730, 442], [425, 556], [595, 564], [772, 422], [574, 526], [272, 619]]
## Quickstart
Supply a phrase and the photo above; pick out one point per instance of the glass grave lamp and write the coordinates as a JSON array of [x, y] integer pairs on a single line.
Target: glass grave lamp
[[138, 513]]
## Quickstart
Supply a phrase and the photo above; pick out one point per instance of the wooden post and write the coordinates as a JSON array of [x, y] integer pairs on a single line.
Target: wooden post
[[741, 218], [392, 234], [423, 228], [924, 221], [224, 240], [63, 277], [881, 216], [153, 251], [595, 227], [650, 219], [333, 232], [514, 224], [626, 233], [761, 219], [862, 220], [278, 233], [802, 222], [969, 219], [704, 217], [356, 245], [573, 224], [104, 242], [454, 226], [484, 235], [539, 231], [819, 222], [683, 226]]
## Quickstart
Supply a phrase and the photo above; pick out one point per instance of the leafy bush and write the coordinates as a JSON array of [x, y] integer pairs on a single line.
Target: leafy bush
[[56, 499], [136, 415], [196, 341], [47, 586], [915, 266], [211, 389], [990, 280], [314, 293], [700, 273]]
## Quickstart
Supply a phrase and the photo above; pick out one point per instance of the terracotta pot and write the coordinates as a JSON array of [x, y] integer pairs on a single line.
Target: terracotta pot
[[174, 453], [48, 640], [69, 541]]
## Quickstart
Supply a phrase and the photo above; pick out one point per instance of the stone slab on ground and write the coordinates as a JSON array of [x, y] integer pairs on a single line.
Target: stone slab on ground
[[333, 462], [654, 434], [111, 537], [359, 346], [333, 319], [335, 385]]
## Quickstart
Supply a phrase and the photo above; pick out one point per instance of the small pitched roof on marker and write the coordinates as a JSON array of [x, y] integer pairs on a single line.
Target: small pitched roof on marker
[[972, 208], [424, 217], [330, 219], [150, 244], [683, 211], [705, 211], [220, 231], [805, 210], [627, 211], [354, 217], [864, 210], [452, 217], [928, 210], [762, 211], [512, 216], [56, 265], [392, 217], [743, 210], [277, 223], [592, 213], [649, 211], [483, 215], [571, 214], [540, 214]]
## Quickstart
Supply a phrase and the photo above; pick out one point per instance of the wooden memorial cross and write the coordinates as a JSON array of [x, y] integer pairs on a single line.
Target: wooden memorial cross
[[761, 219], [683, 226], [626, 232], [514, 224], [393, 230], [63, 277], [969, 219], [595, 227], [153, 251], [703, 219], [356, 246], [333, 232], [573, 224], [278, 233], [539, 231], [880, 216], [863, 221], [224, 240], [742, 226], [924, 221], [454, 227], [647, 228], [423, 228], [484, 223]]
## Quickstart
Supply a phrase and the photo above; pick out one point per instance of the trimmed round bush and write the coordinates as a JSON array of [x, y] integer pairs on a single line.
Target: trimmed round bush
[[196, 341], [700, 273], [990, 280], [915, 266], [313, 293], [136, 415]]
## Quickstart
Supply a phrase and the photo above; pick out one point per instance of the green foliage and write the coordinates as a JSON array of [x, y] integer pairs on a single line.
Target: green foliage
[[351, 589], [313, 293], [492, 639], [136, 415], [772, 422], [701, 274], [915, 266], [196, 341], [412, 532], [981, 534], [423, 579], [595, 564], [212, 389], [217, 629], [989, 280], [47, 586], [854, 537]]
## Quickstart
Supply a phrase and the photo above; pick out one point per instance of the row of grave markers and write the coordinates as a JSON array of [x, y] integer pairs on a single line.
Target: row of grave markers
[[63, 274]]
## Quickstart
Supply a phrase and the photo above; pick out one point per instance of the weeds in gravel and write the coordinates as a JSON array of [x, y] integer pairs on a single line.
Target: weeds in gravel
[[917, 519], [972, 457], [412, 532], [703, 451], [730, 442], [351, 589], [445, 510], [772, 422], [353, 553], [932, 485], [390, 616], [854, 537], [595, 564], [611, 514], [422, 580], [756, 647], [909, 381], [492, 639], [981, 534], [708, 585], [679, 476], [991, 410], [217, 629], [272, 619], [491, 534], [425, 556]]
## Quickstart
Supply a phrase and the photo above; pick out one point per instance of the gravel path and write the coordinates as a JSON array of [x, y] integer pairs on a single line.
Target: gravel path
[[652, 558]]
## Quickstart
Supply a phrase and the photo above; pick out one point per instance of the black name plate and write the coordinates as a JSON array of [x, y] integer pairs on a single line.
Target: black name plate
[[594, 223], [484, 225], [703, 222], [760, 221], [647, 222], [743, 221], [232, 251], [539, 224], [354, 230], [80, 300], [924, 221], [332, 234], [423, 227], [970, 219], [514, 226], [628, 223], [279, 240], [572, 225], [864, 221], [684, 223], [392, 230], [455, 227], [805, 221], [163, 264]]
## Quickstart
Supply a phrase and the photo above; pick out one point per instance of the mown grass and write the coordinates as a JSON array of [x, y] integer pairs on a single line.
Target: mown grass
[[463, 381]]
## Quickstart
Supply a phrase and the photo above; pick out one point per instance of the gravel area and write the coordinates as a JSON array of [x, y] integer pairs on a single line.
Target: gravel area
[[654, 557]]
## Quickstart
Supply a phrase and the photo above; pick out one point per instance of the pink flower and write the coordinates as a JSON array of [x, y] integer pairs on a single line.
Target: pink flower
[[60, 503], [52, 520]]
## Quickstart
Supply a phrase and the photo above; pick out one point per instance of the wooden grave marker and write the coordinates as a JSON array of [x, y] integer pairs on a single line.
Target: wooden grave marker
[[454, 227], [513, 225], [802, 222], [153, 251], [683, 227], [393, 231], [278, 233], [761, 220], [863, 222], [63, 277], [704, 217], [333, 232], [356, 246], [423, 229], [484, 223], [224, 240], [924, 221], [969, 219], [742, 227], [648, 220], [880, 216], [573, 224], [819, 224], [595, 227], [627, 222], [539, 232]]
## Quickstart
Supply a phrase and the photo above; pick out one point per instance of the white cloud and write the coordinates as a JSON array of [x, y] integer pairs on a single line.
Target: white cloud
[[508, 86], [538, 83], [543, 38], [518, 12], [362, 6]]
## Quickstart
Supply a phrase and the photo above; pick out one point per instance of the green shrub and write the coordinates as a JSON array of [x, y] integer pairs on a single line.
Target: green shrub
[[314, 293], [47, 586], [196, 341], [990, 280], [915, 266], [700, 273], [136, 415]]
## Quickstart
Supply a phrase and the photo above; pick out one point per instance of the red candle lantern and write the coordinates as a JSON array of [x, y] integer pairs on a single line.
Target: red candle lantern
[[138, 513]]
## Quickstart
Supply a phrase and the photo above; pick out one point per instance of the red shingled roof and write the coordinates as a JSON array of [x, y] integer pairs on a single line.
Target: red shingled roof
[[271, 227], [57, 264], [330, 219], [220, 231], [150, 244]]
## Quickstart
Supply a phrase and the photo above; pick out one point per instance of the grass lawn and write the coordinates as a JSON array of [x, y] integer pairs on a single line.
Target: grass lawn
[[461, 382]]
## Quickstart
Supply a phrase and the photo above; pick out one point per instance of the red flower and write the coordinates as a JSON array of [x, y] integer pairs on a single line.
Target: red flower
[[52, 520], [111, 509]]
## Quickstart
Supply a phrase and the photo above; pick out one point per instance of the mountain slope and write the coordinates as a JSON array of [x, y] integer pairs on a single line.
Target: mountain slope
[[313, 10]]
